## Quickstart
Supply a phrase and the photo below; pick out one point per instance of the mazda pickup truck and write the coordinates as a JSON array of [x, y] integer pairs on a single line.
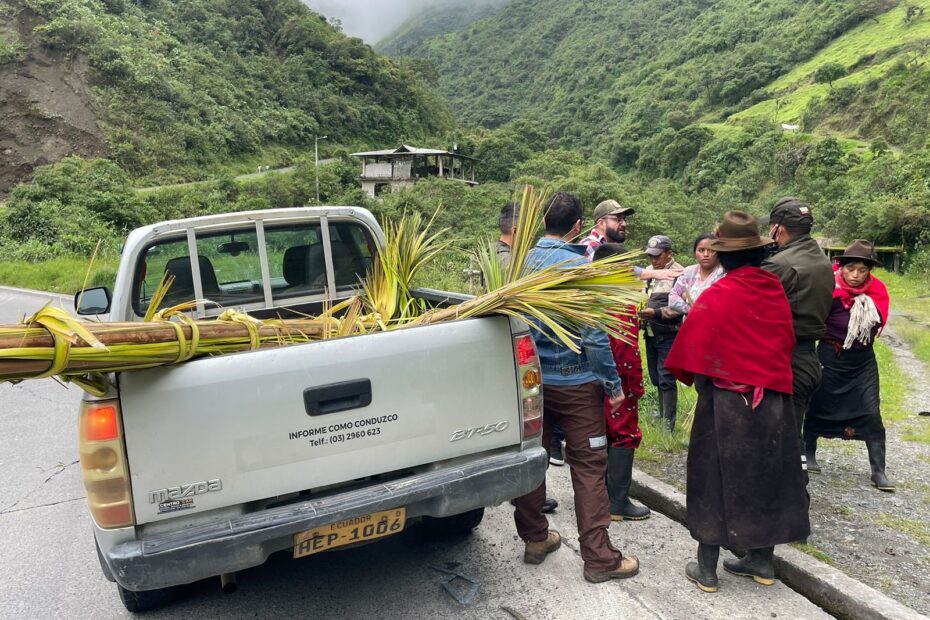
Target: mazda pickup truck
[[207, 467]]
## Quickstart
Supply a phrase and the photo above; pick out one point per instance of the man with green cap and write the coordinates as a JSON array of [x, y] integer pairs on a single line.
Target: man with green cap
[[807, 277]]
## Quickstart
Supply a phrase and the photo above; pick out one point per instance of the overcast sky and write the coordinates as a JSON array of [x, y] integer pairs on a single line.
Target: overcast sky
[[370, 20]]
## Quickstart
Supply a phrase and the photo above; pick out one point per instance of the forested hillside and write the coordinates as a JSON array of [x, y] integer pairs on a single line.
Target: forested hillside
[[168, 86], [607, 75]]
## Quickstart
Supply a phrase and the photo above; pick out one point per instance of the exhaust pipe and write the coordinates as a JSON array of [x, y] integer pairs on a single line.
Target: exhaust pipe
[[228, 582]]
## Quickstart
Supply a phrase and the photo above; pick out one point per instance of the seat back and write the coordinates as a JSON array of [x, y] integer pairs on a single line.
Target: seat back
[[305, 266], [295, 265], [183, 287]]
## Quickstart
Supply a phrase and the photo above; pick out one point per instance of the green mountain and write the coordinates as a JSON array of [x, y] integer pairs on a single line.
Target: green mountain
[[606, 76], [167, 87]]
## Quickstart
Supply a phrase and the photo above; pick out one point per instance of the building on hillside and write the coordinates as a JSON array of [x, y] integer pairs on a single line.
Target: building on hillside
[[403, 166]]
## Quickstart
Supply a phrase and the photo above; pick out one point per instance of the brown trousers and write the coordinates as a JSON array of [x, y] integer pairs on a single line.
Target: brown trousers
[[579, 409]]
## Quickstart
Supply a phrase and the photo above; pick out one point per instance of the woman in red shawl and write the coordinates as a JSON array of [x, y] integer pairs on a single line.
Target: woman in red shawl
[[846, 404], [623, 433], [745, 483]]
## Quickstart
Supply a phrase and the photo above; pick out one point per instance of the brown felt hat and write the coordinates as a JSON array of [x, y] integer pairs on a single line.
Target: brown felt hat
[[738, 231], [859, 250]]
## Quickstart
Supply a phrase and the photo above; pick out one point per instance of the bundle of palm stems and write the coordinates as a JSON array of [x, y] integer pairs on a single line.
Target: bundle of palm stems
[[560, 300]]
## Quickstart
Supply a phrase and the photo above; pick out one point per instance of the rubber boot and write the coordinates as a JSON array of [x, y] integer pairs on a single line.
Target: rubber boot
[[619, 478], [669, 400], [810, 451], [876, 448], [704, 571], [758, 564]]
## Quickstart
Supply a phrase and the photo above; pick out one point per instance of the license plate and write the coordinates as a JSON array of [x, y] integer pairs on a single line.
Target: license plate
[[349, 531]]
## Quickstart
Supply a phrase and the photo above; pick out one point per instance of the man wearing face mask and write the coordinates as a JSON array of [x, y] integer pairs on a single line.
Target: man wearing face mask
[[574, 385], [807, 277]]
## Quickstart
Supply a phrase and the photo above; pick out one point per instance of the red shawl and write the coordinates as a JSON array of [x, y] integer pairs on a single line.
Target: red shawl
[[740, 330], [873, 287]]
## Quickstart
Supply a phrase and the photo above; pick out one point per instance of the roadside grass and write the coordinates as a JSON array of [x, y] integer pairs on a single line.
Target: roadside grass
[[813, 551], [910, 306], [909, 527], [62, 274], [657, 442], [893, 385]]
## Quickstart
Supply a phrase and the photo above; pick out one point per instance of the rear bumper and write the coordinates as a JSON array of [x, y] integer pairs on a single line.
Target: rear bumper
[[231, 545]]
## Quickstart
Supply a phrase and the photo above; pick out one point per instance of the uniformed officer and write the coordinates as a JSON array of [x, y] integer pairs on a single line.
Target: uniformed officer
[[807, 277]]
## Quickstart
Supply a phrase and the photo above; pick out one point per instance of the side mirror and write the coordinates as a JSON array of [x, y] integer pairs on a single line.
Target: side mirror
[[92, 301]]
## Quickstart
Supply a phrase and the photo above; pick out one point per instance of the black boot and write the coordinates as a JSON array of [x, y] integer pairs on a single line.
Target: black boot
[[669, 399], [758, 564], [619, 478], [810, 452], [876, 448], [704, 571]]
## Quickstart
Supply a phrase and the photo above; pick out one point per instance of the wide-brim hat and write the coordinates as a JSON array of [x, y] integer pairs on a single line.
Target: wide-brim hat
[[738, 231], [860, 250], [611, 207]]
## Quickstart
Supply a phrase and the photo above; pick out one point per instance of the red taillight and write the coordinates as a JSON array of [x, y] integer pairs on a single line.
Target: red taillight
[[102, 424], [530, 385], [526, 350], [103, 464]]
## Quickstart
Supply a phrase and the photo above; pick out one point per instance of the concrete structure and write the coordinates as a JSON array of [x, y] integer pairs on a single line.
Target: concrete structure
[[403, 166]]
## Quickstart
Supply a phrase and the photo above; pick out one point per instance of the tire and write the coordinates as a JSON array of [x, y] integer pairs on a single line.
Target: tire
[[456, 525], [145, 600]]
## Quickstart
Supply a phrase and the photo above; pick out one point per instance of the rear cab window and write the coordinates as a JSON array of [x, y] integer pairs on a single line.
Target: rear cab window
[[255, 265]]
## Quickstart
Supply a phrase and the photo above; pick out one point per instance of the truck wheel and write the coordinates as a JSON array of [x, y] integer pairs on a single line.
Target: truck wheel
[[456, 525], [145, 599]]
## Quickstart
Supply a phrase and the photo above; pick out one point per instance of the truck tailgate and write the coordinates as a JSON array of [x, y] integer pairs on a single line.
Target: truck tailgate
[[232, 429]]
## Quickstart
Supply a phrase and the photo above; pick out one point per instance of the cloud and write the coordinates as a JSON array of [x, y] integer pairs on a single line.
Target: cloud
[[372, 20]]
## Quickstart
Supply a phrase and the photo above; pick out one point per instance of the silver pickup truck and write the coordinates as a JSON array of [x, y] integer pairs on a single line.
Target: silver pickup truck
[[208, 467]]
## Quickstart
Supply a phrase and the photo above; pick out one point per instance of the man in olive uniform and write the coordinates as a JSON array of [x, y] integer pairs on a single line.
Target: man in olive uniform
[[807, 277]]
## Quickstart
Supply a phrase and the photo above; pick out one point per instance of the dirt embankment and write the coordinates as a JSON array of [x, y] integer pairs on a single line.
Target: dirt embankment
[[46, 112]]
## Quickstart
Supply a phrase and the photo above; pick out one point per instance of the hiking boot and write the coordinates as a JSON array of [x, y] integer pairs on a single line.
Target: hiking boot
[[876, 450], [628, 567], [536, 552], [704, 571], [619, 478], [758, 564]]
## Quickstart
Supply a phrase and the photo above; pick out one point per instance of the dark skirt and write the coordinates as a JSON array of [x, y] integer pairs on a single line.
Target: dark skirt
[[847, 403], [745, 483]]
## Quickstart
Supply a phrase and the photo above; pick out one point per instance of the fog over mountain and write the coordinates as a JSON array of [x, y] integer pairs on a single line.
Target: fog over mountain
[[372, 20]]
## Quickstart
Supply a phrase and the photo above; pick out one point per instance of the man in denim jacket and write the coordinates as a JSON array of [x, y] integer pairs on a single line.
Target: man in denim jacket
[[573, 395]]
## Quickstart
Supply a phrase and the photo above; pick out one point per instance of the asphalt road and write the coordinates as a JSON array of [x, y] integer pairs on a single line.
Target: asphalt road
[[49, 569]]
